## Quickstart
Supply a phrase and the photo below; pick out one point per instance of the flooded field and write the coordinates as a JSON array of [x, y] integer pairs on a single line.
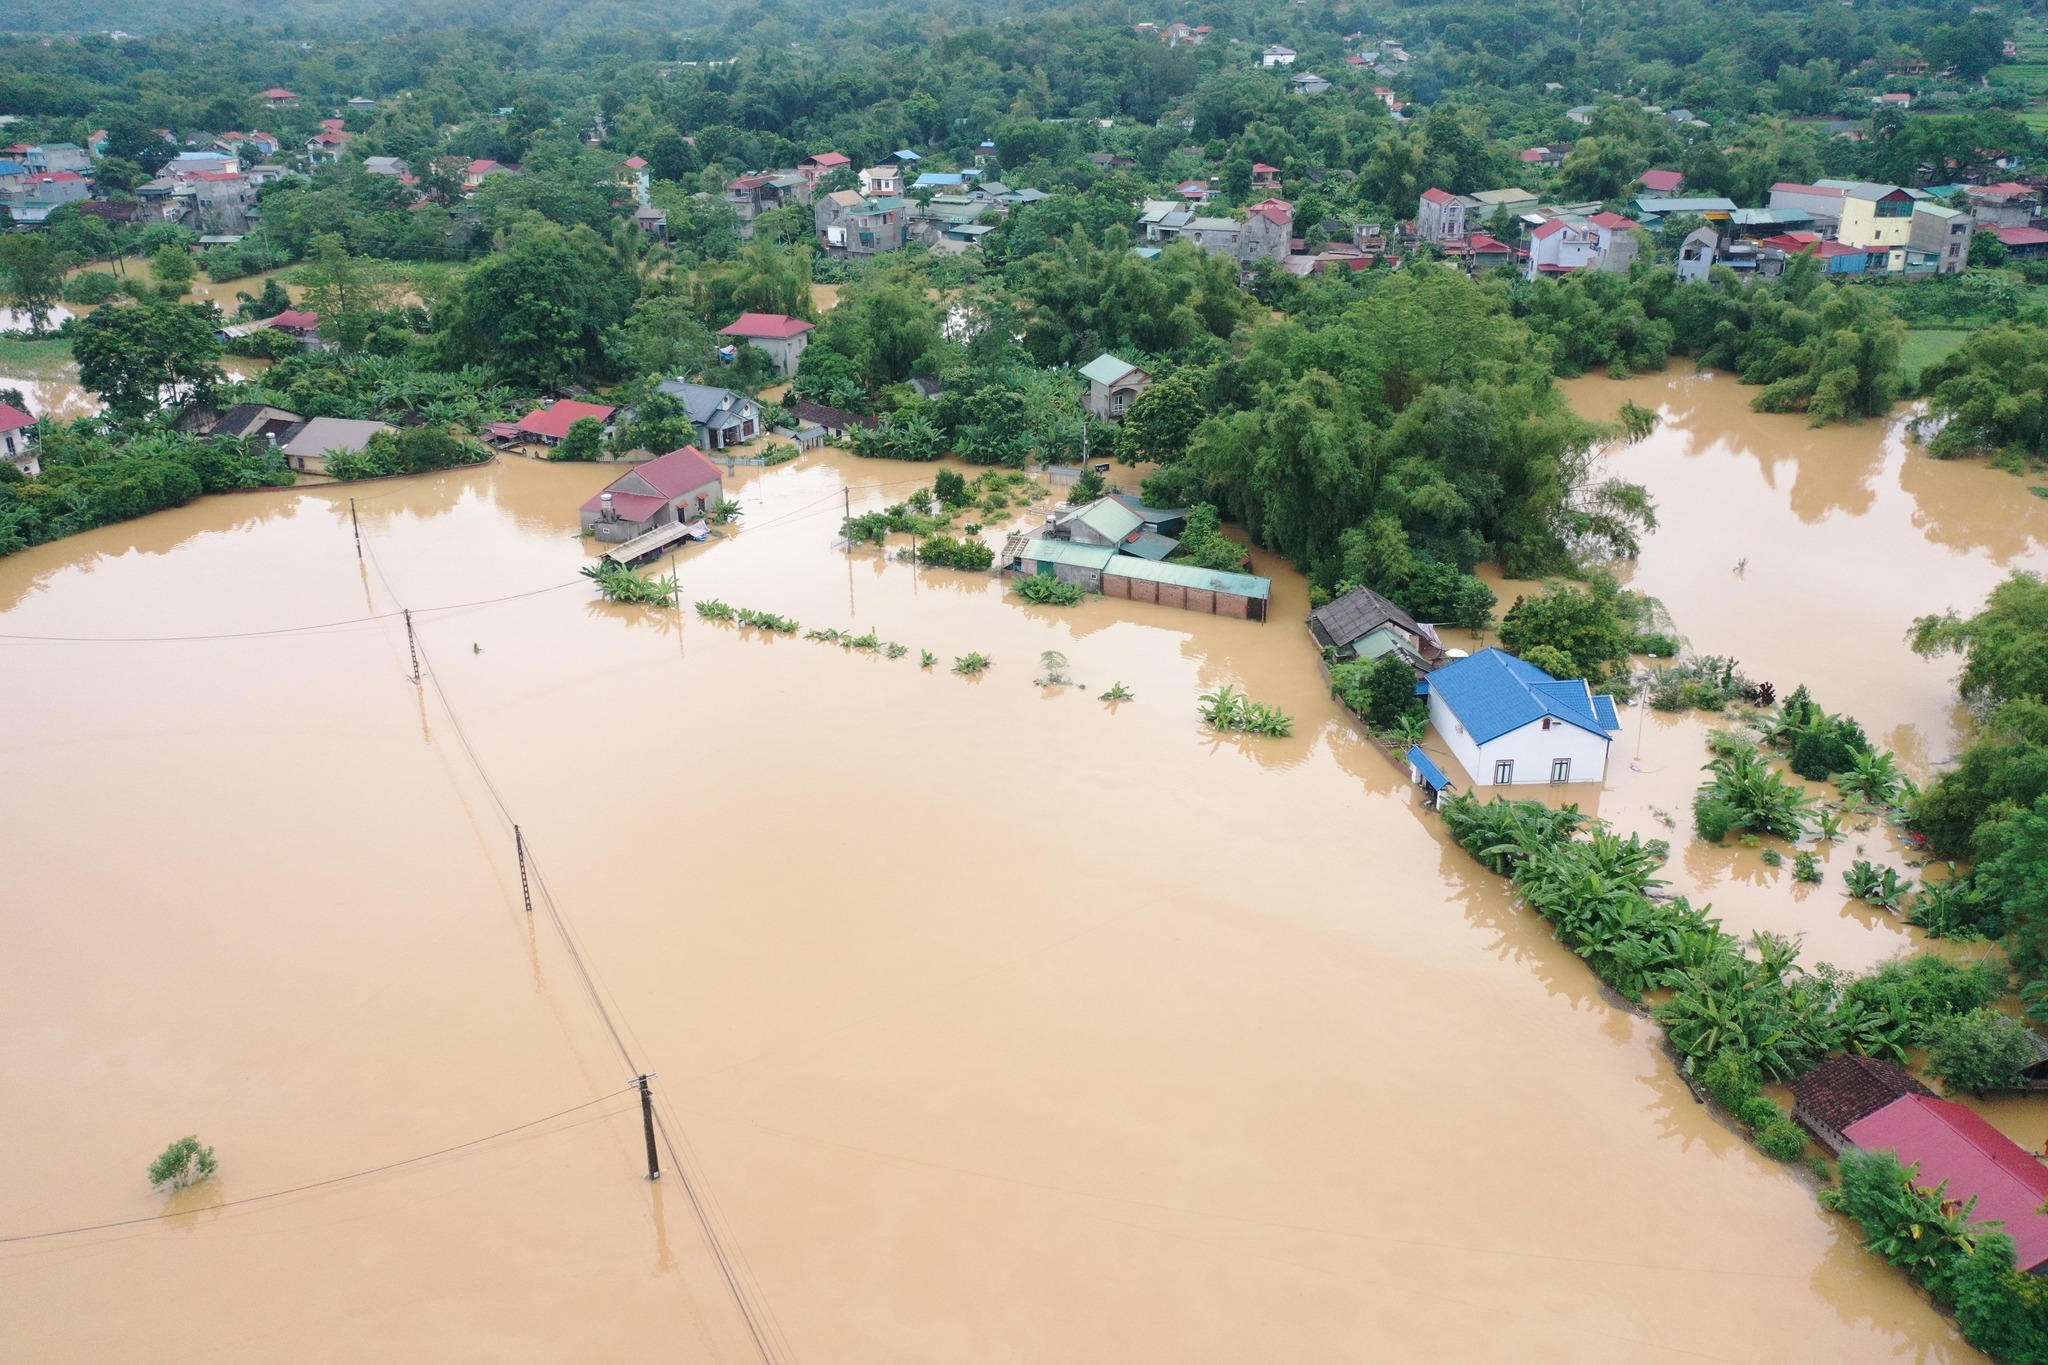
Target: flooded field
[[992, 1022]]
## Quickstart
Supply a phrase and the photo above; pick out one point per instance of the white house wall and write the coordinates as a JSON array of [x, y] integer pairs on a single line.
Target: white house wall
[[1532, 749]]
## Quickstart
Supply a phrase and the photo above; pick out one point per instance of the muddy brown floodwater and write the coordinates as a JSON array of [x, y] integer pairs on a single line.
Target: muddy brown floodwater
[[999, 1024]]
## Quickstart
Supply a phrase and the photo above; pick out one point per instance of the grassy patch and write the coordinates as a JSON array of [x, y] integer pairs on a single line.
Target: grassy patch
[[35, 359], [1924, 346]]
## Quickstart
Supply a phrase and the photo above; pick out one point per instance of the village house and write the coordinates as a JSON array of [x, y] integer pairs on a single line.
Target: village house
[[1308, 83], [1843, 1090], [476, 172], [1122, 522], [2003, 205], [324, 147], [850, 224], [1651, 209], [722, 418], [1276, 56], [1954, 1146], [879, 181], [1696, 254], [255, 422], [1113, 385], [1605, 241], [1507, 721], [816, 168], [1941, 233], [1551, 156], [2023, 243], [1661, 182], [57, 156], [1823, 203], [1364, 625], [1265, 177], [1442, 215], [832, 421], [549, 424], [750, 196], [1493, 203], [1877, 215], [677, 487], [1115, 572], [781, 336], [1177, 33], [280, 98], [307, 448], [18, 444], [386, 165]]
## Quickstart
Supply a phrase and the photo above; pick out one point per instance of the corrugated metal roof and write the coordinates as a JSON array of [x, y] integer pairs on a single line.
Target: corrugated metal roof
[[1354, 616], [1493, 693], [1109, 519], [1106, 369], [1188, 576], [1950, 1143], [1432, 776], [1067, 552]]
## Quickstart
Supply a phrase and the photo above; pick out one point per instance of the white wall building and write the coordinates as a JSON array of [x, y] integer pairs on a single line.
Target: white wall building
[[1508, 722]]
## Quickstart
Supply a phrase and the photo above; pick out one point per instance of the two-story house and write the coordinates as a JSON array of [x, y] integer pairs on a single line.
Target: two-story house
[[1442, 215], [850, 224]]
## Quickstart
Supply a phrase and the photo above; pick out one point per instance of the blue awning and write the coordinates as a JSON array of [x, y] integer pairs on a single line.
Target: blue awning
[[1432, 776]]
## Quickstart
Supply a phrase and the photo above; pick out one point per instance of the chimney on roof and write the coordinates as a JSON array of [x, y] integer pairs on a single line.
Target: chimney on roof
[[604, 509]]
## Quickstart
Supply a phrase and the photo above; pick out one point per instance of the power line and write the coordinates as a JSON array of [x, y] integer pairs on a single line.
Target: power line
[[317, 1184], [741, 1297], [281, 630]]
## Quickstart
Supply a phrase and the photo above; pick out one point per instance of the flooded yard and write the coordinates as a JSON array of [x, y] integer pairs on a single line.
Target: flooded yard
[[992, 1022]]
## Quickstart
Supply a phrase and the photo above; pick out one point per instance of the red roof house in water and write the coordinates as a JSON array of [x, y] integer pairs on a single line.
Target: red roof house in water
[[679, 486], [1951, 1145], [550, 424], [781, 336], [1661, 182]]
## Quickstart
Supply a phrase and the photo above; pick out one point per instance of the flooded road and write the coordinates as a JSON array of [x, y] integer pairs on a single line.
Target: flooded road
[[992, 1022]]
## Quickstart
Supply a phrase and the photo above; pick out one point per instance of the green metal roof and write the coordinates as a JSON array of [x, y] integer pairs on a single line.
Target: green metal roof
[[1106, 369], [1109, 519], [1067, 552], [1150, 545], [1188, 576]]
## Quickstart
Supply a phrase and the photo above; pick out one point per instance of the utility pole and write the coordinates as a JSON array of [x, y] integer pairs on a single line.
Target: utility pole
[[847, 493], [412, 644], [525, 891], [647, 1121], [357, 526]]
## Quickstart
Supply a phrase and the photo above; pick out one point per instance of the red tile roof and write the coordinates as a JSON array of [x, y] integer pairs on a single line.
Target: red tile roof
[[630, 506], [292, 320], [2021, 236], [1261, 168], [1436, 196], [1794, 187], [13, 418], [554, 421], [636, 163], [278, 92], [1663, 182], [680, 471], [1551, 228], [1612, 220], [766, 326], [1844, 1089], [1830, 250], [1950, 1143], [1485, 242], [1277, 211], [830, 159]]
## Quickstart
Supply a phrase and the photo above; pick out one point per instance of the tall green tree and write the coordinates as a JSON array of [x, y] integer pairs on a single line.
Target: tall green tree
[[139, 358]]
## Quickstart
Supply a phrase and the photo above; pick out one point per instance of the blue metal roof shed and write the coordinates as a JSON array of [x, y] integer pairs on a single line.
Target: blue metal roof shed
[[1426, 771]]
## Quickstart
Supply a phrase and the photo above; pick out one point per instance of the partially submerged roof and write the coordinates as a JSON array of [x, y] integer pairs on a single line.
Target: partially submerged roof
[[1951, 1144], [1432, 776], [325, 434], [1354, 616], [1190, 576], [766, 326], [1108, 518], [1844, 1089], [1493, 693], [554, 421], [1067, 552], [671, 476], [706, 405]]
